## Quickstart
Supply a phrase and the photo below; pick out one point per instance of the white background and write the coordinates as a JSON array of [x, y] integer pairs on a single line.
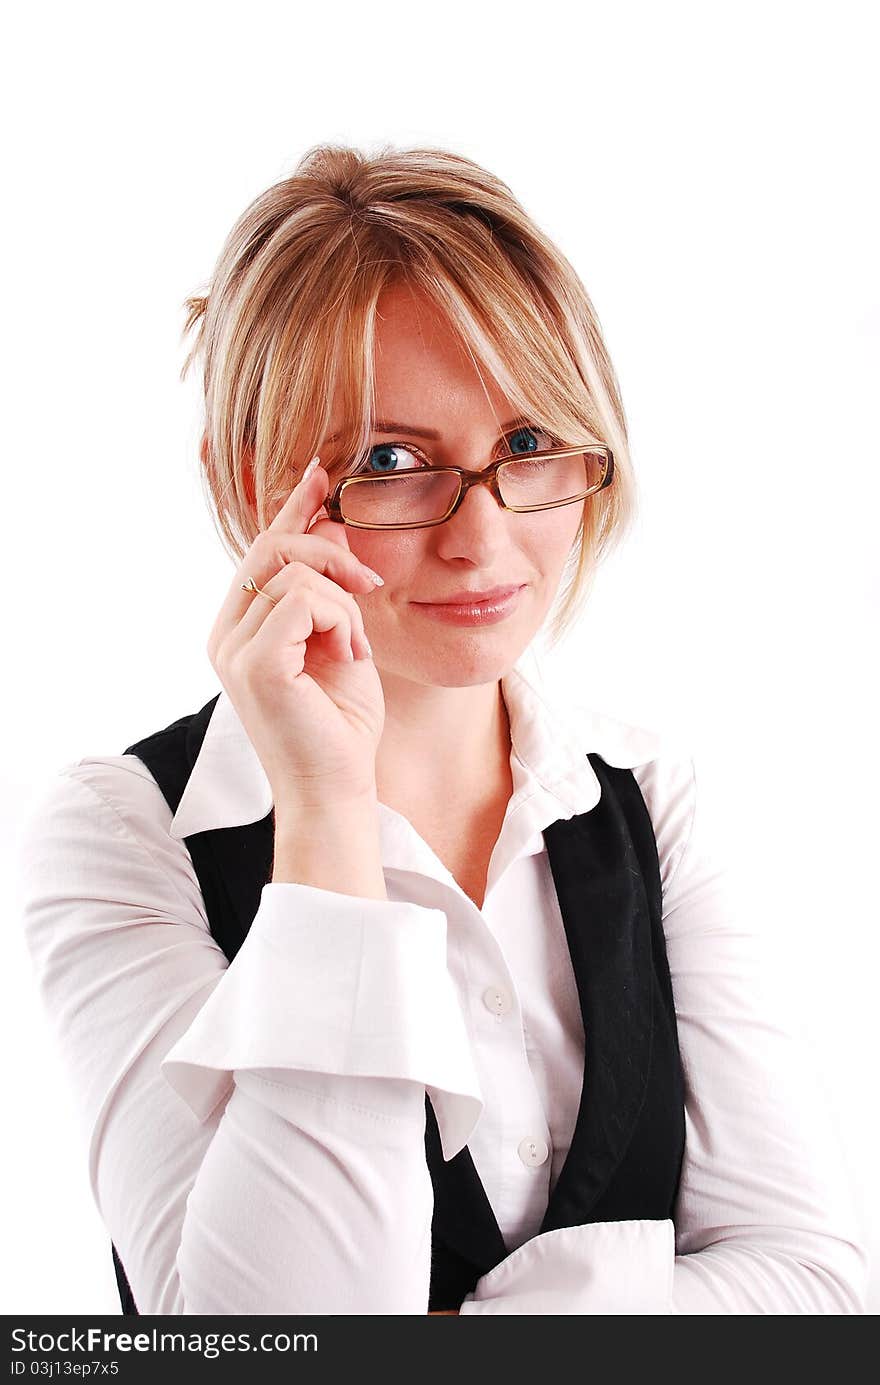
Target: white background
[[710, 170]]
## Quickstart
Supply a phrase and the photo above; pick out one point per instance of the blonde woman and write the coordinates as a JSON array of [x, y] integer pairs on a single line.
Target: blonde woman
[[387, 983]]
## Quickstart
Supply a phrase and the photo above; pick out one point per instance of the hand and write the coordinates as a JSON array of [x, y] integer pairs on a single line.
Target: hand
[[300, 674]]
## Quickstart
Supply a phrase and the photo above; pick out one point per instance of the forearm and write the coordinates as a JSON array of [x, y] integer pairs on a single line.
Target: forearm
[[266, 1195], [331, 848], [311, 1204]]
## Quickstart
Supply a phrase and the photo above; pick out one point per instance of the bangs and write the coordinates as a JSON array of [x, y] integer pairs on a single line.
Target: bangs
[[287, 331], [522, 356]]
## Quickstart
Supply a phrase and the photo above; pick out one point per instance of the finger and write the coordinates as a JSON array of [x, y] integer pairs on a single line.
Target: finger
[[266, 561], [297, 577], [325, 586], [299, 615], [327, 528], [321, 515], [307, 495], [270, 556]]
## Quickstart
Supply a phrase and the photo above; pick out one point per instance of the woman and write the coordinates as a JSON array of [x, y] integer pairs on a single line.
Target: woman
[[385, 984]]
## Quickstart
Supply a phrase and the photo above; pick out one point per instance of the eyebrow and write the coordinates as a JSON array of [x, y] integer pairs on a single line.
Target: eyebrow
[[387, 426]]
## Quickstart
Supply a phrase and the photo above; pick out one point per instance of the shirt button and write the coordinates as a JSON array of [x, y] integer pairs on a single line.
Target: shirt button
[[533, 1150], [496, 1000]]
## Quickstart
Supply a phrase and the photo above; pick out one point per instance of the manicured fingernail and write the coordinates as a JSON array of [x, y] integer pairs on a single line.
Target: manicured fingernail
[[373, 576], [310, 468]]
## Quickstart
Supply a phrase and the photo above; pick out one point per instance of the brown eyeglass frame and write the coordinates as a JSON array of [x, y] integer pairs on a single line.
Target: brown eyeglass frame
[[488, 476]]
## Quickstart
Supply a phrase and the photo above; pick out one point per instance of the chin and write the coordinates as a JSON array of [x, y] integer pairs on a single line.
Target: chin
[[463, 659]]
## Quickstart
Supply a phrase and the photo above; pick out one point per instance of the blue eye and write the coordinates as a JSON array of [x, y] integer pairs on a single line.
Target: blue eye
[[530, 443], [381, 459], [384, 457]]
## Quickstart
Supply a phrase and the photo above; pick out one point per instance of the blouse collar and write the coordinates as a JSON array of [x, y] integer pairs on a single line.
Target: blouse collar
[[551, 737]]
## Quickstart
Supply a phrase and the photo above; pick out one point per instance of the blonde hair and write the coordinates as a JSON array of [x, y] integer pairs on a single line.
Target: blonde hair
[[290, 311]]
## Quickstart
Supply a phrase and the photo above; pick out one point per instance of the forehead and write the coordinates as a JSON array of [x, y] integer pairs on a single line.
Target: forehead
[[420, 359]]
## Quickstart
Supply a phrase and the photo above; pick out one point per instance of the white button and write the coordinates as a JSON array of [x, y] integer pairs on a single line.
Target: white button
[[533, 1150], [496, 1000]]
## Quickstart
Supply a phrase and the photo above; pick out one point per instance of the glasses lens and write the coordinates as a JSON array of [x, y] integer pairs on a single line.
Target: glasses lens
[[420, 497], [410, 497], [550, 481]]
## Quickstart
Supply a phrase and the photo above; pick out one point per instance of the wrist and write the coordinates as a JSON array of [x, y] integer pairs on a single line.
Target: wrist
[[331, 846], [296, 814]]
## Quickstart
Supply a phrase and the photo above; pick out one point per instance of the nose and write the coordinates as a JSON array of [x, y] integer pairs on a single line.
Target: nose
[[478, 501], [477, 531]]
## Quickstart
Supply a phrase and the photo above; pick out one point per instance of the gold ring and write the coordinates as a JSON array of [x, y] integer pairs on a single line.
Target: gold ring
[[251, 586]]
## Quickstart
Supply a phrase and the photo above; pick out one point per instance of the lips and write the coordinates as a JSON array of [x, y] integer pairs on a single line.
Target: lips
[[471, 598]]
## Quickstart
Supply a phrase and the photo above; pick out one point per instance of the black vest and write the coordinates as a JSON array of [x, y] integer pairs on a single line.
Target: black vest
[[625, 1158]]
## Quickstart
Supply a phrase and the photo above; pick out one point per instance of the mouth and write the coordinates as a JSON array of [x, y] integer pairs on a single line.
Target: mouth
[[474, 598], [474, 608]]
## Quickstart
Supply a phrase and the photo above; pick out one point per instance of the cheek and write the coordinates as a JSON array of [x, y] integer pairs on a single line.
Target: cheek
[[396, 557], [553, 536]]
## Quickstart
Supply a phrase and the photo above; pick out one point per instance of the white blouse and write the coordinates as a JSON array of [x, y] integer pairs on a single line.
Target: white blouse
[[255, 1130]]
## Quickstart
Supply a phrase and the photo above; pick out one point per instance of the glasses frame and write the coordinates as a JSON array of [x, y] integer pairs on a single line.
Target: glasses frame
[[488, 476]]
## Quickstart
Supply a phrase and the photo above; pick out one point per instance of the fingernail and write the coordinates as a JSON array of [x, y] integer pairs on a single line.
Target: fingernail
[[373, 576], [369, 647], [310, 468]]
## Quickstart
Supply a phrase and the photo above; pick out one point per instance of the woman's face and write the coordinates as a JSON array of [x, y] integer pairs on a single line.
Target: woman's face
[[425, 381]]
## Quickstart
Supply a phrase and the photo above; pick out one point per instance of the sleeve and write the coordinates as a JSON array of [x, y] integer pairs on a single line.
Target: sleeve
[[255, 1130], [764, 1221]]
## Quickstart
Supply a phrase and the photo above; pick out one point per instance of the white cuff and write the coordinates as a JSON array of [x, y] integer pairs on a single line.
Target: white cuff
[[601, 1268], [338, 984]]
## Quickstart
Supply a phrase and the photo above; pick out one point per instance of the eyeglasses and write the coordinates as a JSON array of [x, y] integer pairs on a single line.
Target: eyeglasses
[[418, 497]]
